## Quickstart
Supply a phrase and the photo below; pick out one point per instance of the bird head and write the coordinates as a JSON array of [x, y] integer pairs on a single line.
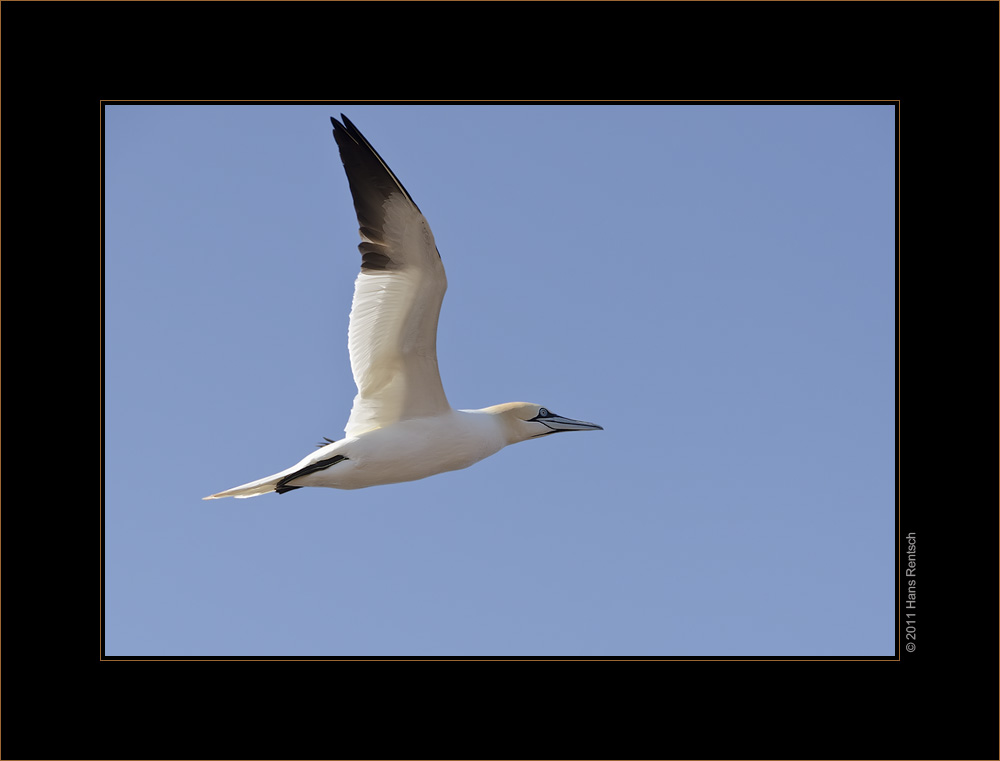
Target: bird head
[[524, 420]]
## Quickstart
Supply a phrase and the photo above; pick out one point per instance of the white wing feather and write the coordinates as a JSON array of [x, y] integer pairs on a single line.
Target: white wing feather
[[397, 296], [393, 332]]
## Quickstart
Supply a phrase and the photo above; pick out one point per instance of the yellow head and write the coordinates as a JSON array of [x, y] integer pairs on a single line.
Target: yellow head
[[524, 420]]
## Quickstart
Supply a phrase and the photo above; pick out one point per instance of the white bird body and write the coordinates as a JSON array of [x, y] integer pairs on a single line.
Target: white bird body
[[401, 427], [406, 451]]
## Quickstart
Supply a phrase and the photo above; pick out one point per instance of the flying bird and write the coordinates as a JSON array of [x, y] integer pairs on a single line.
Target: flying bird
[[401, 427]]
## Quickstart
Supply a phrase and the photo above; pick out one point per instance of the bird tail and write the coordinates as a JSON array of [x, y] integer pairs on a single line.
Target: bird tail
[[252, 489], [279, 481]]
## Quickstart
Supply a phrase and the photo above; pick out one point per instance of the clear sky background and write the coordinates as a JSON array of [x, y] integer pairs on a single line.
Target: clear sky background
[[712, 284]]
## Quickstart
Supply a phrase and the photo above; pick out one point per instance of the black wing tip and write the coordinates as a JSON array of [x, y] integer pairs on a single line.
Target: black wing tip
[[347, 128], [338, 127], [360, 149], [282, 486]]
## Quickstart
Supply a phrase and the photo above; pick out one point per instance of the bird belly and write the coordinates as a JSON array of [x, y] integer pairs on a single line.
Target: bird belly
[[406, 451]]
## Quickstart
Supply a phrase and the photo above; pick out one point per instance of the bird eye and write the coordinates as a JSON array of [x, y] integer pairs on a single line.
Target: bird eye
[[543, 412]]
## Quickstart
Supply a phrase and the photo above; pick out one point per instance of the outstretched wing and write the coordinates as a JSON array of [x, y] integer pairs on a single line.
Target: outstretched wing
[[397, 297]]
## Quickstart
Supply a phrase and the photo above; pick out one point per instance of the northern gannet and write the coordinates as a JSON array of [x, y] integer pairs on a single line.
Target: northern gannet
[[401, 426]]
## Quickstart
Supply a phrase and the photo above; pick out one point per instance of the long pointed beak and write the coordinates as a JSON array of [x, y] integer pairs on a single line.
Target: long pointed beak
[[558, 423]]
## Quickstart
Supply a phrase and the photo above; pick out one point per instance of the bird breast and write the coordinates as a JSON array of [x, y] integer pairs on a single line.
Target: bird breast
[[410, 450]]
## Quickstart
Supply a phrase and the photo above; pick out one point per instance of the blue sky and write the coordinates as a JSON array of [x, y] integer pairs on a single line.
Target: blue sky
[[712, 284]]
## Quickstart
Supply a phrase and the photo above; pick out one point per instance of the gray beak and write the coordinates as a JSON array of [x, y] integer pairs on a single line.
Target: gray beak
[[558, 423]]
